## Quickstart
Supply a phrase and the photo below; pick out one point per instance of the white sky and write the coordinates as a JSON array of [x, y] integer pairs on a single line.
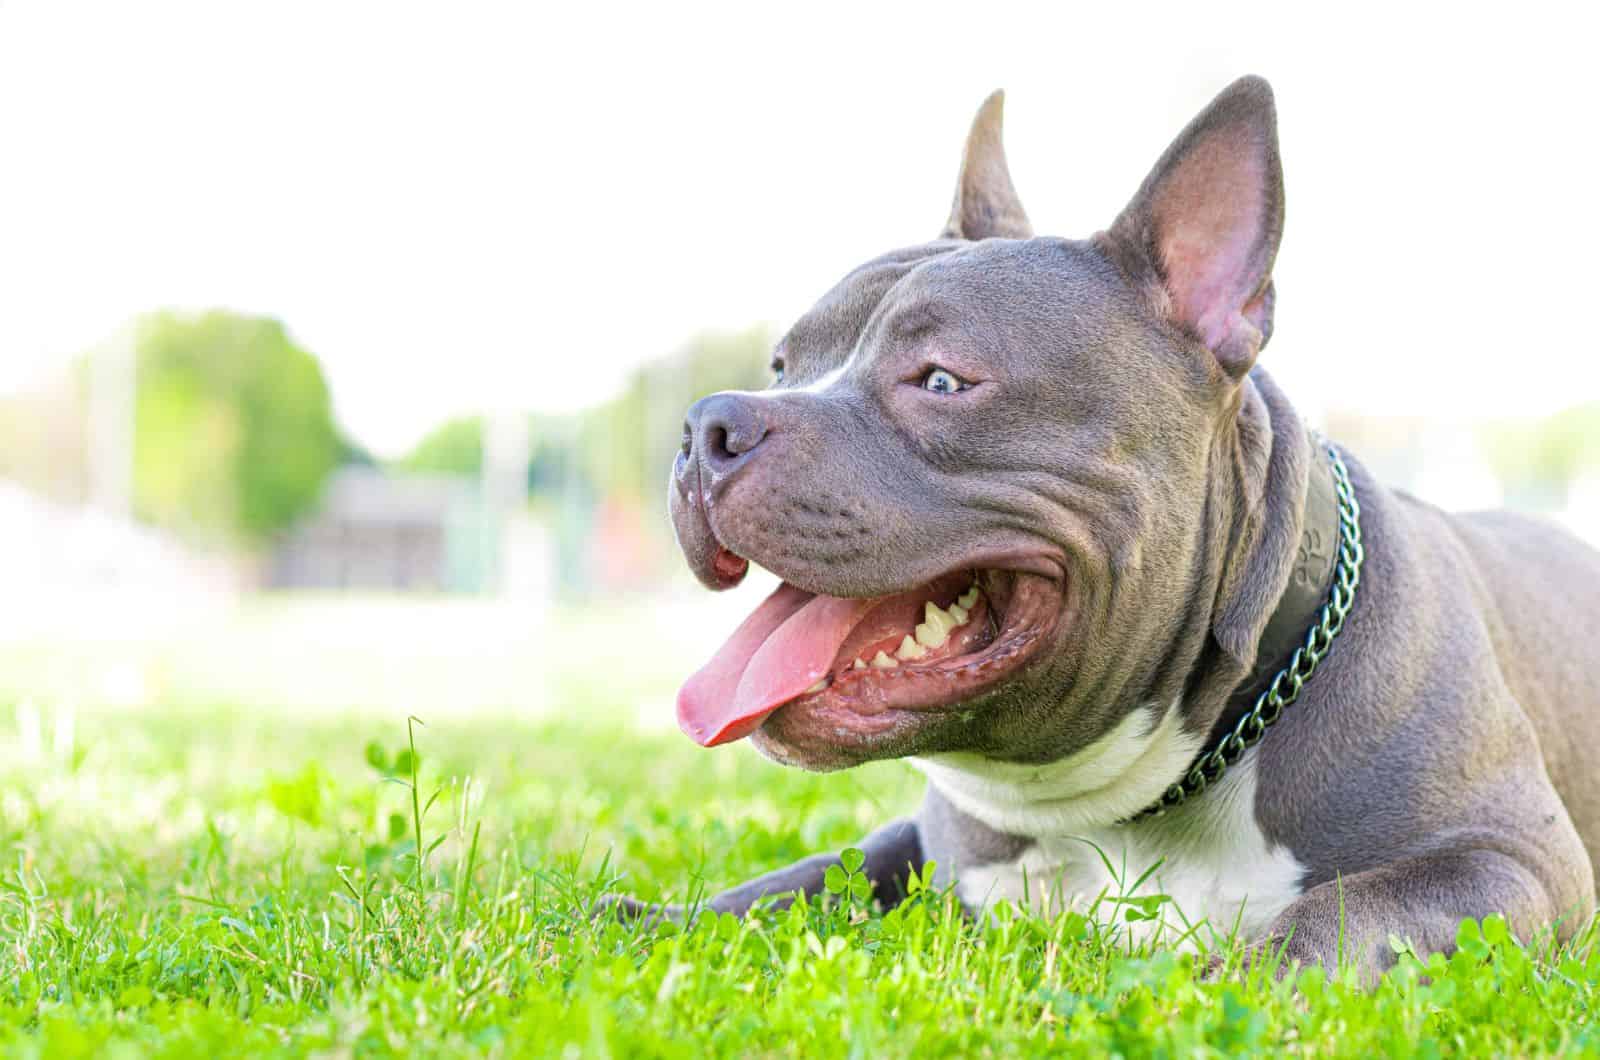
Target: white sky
[[465, 205]]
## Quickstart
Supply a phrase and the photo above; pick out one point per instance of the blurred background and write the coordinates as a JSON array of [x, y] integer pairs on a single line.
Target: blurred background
[[344, 347]]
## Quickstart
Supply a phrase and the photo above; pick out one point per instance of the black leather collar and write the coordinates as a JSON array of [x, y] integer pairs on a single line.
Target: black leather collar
[[1302, 598]]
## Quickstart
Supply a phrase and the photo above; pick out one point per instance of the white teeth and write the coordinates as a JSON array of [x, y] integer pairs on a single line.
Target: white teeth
[[933, 632], [819, 686]]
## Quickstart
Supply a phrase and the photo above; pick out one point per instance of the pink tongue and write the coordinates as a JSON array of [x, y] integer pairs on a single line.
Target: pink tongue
[[774, 656]]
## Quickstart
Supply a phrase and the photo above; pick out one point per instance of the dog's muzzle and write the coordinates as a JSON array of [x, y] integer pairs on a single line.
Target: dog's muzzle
[[720, 437]]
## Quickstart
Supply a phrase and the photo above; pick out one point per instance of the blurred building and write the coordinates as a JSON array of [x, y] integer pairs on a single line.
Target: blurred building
[[380, 531]]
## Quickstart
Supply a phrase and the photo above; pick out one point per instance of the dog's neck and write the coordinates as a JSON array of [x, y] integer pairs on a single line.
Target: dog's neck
[[1310, 578], [1262, 467]]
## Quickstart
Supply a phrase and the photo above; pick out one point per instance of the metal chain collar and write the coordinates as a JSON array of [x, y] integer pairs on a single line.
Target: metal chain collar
[[1287, 684]]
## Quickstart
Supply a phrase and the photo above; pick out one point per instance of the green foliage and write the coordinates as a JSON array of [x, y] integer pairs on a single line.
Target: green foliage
[[353, 454], [456, 448], [453, 448], [162, 900], [234, 428], [846, 878], [616, 454], [1537, 460], [624, 446], [299, 796], [627, 444]]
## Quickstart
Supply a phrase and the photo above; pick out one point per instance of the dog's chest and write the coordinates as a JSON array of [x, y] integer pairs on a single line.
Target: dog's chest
[[1209, 857]]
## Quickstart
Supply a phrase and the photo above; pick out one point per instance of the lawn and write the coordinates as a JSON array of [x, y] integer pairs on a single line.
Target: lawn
[[199, 880]]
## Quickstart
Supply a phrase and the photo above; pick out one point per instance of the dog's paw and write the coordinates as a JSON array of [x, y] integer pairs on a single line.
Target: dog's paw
[[1269, 953], [631, 910]]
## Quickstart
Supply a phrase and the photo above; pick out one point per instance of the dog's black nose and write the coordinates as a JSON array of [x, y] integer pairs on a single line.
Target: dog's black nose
[[723, 428]]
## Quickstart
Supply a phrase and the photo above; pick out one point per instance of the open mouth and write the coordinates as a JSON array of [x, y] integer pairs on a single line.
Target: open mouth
[[933, 646]]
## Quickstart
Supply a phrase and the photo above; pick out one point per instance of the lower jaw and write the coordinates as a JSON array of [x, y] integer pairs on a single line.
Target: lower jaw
[[864, 715], [822, 741]]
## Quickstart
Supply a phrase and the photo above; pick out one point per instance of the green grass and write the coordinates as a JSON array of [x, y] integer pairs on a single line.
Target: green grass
[[203, 882]]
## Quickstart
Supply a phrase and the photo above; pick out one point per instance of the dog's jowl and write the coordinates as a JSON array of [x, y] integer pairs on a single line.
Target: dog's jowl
[[1047, 528]]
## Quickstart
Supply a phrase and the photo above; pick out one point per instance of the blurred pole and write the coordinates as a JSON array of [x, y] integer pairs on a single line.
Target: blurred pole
[[507, 449], [111, 411], [663, 407], [573, 527]]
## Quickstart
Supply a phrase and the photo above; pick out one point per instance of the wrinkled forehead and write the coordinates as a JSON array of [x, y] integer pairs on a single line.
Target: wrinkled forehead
[[829, 330], [1030, 285]]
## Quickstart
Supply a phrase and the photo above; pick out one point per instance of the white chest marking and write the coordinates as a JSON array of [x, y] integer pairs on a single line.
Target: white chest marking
[[1209, 856]]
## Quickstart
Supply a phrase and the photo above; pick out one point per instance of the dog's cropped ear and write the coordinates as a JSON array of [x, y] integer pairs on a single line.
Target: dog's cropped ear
[[1204, 228], [986, 203]]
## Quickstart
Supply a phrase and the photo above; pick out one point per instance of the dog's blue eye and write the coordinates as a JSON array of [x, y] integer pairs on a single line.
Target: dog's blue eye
[[777, 372], [942, 382]]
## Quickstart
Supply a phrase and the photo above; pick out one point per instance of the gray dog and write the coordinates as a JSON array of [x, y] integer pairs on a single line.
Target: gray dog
[[1046, 529]]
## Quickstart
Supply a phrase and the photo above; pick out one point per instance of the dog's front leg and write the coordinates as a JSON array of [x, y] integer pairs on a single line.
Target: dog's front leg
[[892, 852], [1422, 900]]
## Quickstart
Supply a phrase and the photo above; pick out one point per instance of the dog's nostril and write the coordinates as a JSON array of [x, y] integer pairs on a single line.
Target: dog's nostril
[[718, 445], [722, 428]]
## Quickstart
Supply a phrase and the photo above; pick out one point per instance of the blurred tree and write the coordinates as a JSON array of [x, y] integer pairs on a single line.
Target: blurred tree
[[455, 447], [600, 475], [234, 430], [1537, 460], [623, 446], [353, 454], [628, 443]]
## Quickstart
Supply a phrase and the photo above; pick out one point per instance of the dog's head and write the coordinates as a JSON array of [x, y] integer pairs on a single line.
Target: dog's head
[[984, 469]]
